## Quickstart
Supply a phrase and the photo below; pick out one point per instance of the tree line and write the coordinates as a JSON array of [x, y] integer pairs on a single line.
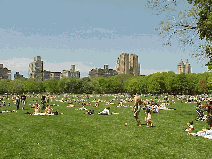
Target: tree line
[[157, 83]]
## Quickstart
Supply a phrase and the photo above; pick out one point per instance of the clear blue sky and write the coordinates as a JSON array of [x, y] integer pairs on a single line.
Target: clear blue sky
[[87, 33]]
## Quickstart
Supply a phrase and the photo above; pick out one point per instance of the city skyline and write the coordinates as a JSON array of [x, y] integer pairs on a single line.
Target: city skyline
[[88, 34]]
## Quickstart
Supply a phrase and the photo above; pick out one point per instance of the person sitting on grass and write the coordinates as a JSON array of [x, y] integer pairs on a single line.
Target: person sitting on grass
[[96, 104], [121, 104], [83, 103], [190, 126], [43, 107], [89, 103], [148, 118], [106, 111], [4, 104], [36, 110], [48, 110]]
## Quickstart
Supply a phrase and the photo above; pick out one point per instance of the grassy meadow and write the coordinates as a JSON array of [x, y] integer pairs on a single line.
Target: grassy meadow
[[74, 134]]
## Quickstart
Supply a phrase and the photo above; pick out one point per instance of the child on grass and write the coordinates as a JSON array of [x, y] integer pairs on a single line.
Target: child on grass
[[148, 118]]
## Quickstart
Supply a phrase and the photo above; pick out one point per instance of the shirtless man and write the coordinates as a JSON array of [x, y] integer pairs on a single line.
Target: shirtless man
[[136, 108]]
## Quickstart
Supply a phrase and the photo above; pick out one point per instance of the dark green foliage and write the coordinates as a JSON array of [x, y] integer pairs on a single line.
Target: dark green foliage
[[157, 83]]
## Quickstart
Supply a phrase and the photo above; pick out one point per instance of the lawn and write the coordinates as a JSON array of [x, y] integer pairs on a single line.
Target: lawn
[[74, 134]]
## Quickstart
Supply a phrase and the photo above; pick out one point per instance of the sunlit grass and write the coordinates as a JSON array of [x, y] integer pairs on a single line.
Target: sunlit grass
[[77, 135]]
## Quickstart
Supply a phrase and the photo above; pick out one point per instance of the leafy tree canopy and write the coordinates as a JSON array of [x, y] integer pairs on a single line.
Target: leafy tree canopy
[[192, 26]]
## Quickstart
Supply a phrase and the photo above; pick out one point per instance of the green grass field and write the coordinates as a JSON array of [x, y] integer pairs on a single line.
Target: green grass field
[[74, 134]]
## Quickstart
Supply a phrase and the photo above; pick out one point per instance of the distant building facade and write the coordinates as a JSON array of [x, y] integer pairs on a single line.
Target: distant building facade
[[36, 69], [71, 73], [17, 74], [46, 75], [55, 75], [105, 72], [128, 64], [181, 67], [5, 73]]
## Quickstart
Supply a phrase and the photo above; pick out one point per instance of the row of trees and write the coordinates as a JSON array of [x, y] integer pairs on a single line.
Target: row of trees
[[165, 82]]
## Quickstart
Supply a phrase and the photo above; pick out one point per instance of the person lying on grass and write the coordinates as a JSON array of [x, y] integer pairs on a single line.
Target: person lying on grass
[[71, 105], [106, 111], [90, 112], [8, 111], [82, 108], [54, 104]]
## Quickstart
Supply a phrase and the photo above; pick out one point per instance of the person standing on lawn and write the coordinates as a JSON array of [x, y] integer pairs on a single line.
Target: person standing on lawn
[[23, 100], [136, 108], [17, 102]]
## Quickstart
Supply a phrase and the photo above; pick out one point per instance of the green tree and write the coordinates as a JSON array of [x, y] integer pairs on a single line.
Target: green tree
[[51, 86], [5, 85], [16, 86], [181, 84], [131, 85], [142, 84], [191, 26], [203, 87], [87, 86], [169, 81]]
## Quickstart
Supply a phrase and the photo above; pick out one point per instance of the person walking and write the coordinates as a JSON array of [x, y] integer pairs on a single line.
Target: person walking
[[136, 108], [17, 102]]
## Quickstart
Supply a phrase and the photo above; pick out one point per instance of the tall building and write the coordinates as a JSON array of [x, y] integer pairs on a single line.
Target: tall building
[[71, 73], [128, 64], [17, 74], [36, 69], [4, 73], [134, 66], [105, 72], [181, 67]]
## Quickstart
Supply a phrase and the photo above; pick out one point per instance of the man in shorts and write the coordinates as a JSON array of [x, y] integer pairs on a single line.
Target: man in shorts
[[136, 108]]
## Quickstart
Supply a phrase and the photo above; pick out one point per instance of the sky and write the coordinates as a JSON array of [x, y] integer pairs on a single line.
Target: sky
[[87, 34]]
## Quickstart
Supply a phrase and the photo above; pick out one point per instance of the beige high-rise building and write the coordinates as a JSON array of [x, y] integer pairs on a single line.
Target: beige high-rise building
[[181, 67], [134, 66], [128, 64], [122, 65], [36, 69], [4, 73]]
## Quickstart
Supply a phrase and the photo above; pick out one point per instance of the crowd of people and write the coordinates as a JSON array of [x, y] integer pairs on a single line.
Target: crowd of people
[[136, 102]]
